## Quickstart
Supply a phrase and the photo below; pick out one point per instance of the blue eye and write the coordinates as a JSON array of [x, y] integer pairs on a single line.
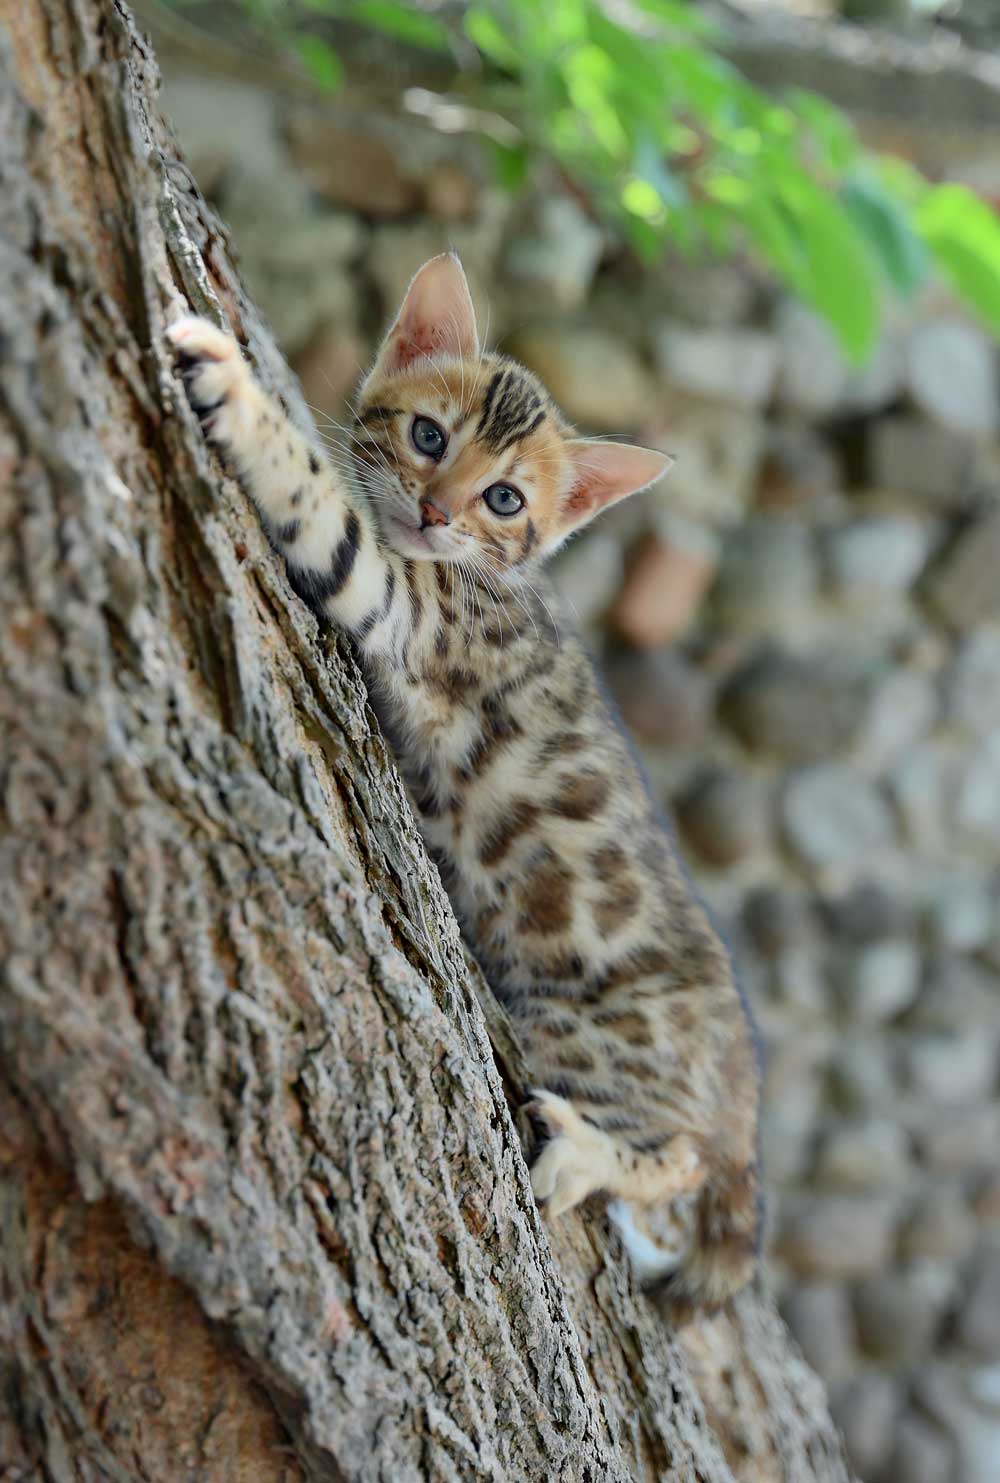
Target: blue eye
[[427, 437], [503, 500]]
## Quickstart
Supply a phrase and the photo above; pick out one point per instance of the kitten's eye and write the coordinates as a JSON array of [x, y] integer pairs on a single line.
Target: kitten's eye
[[427, 437], [503, 500]]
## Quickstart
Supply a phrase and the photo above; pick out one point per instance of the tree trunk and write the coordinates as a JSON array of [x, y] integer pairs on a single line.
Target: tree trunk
[[264, 1210]]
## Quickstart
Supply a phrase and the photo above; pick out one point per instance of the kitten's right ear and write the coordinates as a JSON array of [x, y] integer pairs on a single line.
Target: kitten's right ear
[[437, 318]]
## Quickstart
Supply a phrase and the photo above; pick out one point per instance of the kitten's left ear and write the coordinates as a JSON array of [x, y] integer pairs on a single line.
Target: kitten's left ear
[[437, 318], [605, 473]]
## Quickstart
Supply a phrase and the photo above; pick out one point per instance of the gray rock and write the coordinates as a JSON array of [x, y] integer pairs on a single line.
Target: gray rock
[[866, 1411], [879, 981], [769, 574], [840, 1237], [939, 1228], [799, 983], [864, 1076], [899, 1313], [949, 1069], [559, 259], [731, 365], [717, 449], [951, 374], [661, 696], [867, 912], [960, 912], [877, 554], [865, 1154], [977, 794], [798, 709], [834, 816], [972, 685], [819, 1315], [978, 1324], [906, 453], [923, 1453], [799, 465], [777, 917], [962, 583], [595, 376], [920, 784], [903, 708], [967, 1406], [814, 374], [960, 1138], [588, 573], [725, 816], [958, 995]]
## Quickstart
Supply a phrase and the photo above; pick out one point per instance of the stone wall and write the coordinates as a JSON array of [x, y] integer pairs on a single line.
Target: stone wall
[[802, 628]]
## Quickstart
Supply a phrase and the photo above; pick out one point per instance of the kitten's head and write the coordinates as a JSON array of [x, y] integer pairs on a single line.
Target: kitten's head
[[463, 452]]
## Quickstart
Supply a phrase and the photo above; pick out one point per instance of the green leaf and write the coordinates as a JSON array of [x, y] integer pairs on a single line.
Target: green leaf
[[964, 235], [404, 22], [511, 164], [320, 61], [830, 128], [886, 227], [484, 31], [837, 275]]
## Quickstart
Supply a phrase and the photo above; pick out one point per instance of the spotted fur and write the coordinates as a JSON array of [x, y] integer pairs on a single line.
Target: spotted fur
[[557, 864]]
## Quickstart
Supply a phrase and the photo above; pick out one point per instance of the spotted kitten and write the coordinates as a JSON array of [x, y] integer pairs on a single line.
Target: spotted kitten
[[464, 478]]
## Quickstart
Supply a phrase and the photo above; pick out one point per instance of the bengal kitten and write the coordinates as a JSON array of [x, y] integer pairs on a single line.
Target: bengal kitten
[[463, 478]]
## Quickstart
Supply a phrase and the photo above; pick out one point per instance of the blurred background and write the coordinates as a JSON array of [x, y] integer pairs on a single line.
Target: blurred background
[[763, 237]]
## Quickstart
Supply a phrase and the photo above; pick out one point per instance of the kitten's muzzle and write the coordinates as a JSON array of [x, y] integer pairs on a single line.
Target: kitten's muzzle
[[431, 515]]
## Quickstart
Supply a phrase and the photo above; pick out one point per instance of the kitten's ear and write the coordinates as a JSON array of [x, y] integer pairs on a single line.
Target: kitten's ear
[[437, 318], [605, 473]]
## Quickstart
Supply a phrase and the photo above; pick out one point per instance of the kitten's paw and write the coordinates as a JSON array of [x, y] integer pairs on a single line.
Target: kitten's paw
[[215, 374], [578, 1160]]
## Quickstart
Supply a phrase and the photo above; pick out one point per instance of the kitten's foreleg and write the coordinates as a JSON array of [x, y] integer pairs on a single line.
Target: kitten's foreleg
[[326, 536]]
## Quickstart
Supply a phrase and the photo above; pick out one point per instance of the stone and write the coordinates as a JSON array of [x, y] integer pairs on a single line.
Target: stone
[[866, 912], [986, 1199], [588, 574], [863, 1076], [819, 1316], [834, 816], [835, 1236], [951, 374], [958, 995], [877, 554], [724, 815], [559, 258], [899, 1313], [959, 912], [972, 684], [867, 1153], [949, 1069], [814, 373], [966, 1405], [298, 269], [879, 981], [907, 453], [955, 1139], [977, 794], [798, 982], [662, 697], [351, 164], [228, 128], [939, 1228], [731, 365], [866, 1411], [923, 1452], [595, 376], [717, 453], [450, 193], [768, 578], [777, 917], [800, 465], [977, 1328], [329, 368], [793, 707], [666, 581], [919, 785], [961, 585]]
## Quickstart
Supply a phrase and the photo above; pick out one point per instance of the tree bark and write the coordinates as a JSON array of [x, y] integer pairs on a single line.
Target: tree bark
[[264, 1210]]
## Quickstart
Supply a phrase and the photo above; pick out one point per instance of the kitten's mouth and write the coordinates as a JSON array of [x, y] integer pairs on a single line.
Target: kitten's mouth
[[411, 540]]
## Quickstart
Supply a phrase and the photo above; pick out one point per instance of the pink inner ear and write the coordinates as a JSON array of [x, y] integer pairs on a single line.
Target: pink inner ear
[[606, 472], [437, 317]]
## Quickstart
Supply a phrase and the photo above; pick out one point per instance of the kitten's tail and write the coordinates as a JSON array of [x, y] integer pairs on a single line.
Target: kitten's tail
[[724, 1246]]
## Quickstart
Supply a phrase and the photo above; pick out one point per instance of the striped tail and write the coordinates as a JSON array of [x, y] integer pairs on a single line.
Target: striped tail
[[724, 1247]]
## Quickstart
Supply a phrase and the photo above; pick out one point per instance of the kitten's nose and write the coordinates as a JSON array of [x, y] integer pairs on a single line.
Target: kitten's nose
[[431, 515]]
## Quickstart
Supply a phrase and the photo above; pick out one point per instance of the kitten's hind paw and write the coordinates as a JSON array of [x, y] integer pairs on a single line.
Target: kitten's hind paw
[[577, 1161], [215, 374]]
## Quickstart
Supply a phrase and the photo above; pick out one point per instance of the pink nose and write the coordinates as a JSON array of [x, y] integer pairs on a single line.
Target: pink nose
[[431, 515]]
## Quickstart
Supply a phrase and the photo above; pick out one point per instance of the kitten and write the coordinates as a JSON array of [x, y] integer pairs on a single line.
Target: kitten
[[464, 478]]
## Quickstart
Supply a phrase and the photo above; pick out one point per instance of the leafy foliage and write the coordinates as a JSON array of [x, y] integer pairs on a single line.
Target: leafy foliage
[[636, 105]]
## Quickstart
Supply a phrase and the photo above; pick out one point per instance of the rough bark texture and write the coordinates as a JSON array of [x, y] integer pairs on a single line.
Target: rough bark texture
[[264, 1210]]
